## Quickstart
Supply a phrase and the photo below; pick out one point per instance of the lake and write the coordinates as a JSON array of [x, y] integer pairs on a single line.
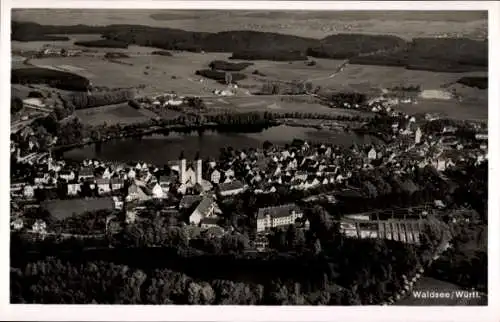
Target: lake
[[158, 149]]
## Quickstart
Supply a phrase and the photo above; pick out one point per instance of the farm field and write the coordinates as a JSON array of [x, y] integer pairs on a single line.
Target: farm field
[[157, 72], [113, 114], [276, 105], [157, 78], [62, 209], [368, 76], [160, 74], [17, 46], [37, 45], [449, 108]]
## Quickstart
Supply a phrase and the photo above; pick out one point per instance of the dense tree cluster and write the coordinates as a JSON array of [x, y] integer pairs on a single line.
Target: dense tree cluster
[[89, 100], [161, 53], [434, 54], [290, 88], [103, 43], [152, 233], [220, 76], [406, 88], [465, 263], [227, 66], [88, 223], [339, 98], [266, 54], [28, 31], [479, 82], [335, 271], [16, 104], [71, 132], [342, 46], [115, 55], [51, 77]]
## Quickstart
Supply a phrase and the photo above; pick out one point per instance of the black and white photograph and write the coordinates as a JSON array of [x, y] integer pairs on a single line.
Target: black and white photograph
[[248, 157]]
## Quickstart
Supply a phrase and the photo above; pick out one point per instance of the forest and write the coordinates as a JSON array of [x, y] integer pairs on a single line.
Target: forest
[[80, 101], [343, 46], [339, 98], [478, 82], [220, 76], [267, 54], [434, 54], [51, 77], [466, 263], [227, 66], [161, 53], [102, 43], [329, 273], [115, 55]]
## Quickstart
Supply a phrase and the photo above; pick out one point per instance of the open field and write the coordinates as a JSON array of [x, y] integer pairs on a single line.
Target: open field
[[113, 114], [156, 72], [290, 71], [367, 76], [449, 109], [276, 105], [69, 44], [409, 24], [157, 78], [62, 209], [38, 45]]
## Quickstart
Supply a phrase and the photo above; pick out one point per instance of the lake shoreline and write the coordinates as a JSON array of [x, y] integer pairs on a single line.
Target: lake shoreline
[[208, 142]]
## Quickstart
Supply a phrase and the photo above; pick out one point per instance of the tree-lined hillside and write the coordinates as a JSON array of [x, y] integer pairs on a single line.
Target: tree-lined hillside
[[435, 54]]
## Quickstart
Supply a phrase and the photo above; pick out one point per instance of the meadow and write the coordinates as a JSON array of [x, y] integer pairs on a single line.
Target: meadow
[[160, 74], [113, 114], [275, 105], [452, 109], [368, 76]]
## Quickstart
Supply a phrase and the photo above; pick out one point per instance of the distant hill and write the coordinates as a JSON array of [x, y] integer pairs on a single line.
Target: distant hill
[[434, 54]]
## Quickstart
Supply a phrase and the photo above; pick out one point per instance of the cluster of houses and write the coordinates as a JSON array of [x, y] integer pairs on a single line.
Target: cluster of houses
[[163, 100], [59, 52], [296, 167]]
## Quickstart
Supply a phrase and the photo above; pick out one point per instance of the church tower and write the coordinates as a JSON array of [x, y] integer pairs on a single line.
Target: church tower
[[182, 168], [198, 170], [418, 136]]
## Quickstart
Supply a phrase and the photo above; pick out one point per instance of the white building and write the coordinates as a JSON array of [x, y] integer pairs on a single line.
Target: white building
[[418, 136], [67, 175], [280, 216], [158, 192], [215, 176], [103, 185], [205, 209], [372, 154], [74, 189], [28, 192], [39, 227], [231, 188], [190, 175]]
